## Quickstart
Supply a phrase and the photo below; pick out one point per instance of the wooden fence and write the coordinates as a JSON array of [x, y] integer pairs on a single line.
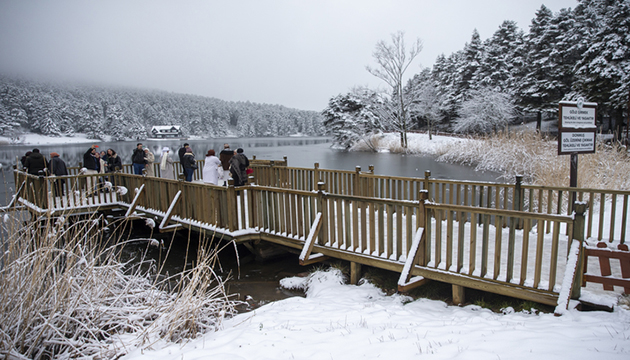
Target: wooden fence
[[474, 237], [603, 205]]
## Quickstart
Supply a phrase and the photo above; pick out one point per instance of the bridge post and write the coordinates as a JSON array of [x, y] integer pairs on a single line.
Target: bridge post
[[421, 222], [518, 199], [356, 186], [322, 208], [370, 186], [427, 184], [578, 234], [355, 272], [316, 178], [274, 176], [459, 295], [231, 206]]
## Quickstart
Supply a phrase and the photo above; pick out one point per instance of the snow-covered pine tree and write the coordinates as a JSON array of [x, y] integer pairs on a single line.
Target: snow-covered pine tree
[[353, 116], [467, 66], [117, 127], [502, 59], [603, 71], [45, 117]]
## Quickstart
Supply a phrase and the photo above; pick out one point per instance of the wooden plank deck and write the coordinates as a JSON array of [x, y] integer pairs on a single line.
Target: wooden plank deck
[[489, 247]]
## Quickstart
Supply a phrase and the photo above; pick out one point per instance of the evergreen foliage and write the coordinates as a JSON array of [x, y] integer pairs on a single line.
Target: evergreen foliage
[[575, 53], [353, 116], [124, 113]]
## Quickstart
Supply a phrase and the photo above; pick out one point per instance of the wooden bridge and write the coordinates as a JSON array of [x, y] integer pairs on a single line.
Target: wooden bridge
[[511, 239]]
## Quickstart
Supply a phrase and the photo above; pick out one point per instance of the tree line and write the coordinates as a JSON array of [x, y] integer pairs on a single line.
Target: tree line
[[125, 113], [512, 76]]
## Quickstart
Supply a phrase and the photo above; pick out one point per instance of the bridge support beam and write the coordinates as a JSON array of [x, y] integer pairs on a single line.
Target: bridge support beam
[[355, 272], [459, 296]]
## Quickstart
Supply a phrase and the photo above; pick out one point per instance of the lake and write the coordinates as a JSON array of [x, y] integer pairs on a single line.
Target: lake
[[300, 151]]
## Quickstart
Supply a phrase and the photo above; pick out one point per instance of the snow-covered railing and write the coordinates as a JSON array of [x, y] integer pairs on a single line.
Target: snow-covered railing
[[607, 214], [62, 193], [493, 249]]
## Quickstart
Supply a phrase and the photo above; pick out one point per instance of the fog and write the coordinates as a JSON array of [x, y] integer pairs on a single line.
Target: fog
[[294, 53]]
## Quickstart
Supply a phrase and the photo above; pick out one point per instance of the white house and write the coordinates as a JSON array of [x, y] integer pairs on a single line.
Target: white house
[[166, 131]]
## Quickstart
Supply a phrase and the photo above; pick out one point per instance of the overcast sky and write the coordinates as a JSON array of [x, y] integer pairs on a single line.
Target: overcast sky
[[294, 53]]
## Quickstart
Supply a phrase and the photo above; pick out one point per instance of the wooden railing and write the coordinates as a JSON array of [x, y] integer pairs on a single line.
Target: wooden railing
[[466, 242], [472, 246], [604, 206]]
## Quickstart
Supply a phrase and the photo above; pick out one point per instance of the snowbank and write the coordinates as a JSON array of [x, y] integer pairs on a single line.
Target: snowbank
[[37, 139], [337, 321], [418, 143]]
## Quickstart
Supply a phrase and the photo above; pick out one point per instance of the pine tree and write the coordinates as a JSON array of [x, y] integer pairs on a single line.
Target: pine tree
[[467, 66], [46, 117], [604, 68], [353, 116], [502, 59]]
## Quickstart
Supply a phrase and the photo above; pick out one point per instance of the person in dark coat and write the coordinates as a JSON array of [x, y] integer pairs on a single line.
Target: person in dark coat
[[23, 159], [35, 163], [137, 158], [224, 156], [238, 166], [182, 151], [189, 163], [90, 163], [58, 168], [113, 161]]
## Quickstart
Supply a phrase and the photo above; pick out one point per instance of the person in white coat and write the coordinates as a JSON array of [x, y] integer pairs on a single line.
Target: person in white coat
[[211, 168], [166, 164]]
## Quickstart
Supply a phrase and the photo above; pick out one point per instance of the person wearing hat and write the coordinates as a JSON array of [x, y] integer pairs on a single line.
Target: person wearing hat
[[166, 164], [58, 168], [137, 158]]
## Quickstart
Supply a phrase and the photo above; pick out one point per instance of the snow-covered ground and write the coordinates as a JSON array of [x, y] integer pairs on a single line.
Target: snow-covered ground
[[337, 321], [418, 143], [37, 139]]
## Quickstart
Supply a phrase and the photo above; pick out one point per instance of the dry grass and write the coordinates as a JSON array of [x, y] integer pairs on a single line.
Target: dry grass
[[536, 157], [67, 293]]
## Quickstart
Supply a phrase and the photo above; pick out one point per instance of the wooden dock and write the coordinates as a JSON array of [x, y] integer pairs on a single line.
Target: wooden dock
[[511, 239]]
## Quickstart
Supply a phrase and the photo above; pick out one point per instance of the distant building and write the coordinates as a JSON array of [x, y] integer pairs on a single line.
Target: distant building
[[166, 131]]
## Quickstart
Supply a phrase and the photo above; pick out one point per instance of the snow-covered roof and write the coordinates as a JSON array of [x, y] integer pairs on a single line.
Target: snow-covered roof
[[166, 127]]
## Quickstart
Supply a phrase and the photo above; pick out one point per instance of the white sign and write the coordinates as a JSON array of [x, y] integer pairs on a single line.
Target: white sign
[[577, 118], [571, 142]]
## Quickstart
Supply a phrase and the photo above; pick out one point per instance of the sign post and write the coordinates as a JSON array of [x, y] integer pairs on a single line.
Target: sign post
[[576, 134]]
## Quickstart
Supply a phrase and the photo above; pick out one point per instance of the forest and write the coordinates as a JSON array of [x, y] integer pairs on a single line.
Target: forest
[[511, 77], [53, 109]]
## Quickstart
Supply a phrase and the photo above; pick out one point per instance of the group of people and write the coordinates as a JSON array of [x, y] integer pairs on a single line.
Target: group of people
[[36, 164], [216, 170]]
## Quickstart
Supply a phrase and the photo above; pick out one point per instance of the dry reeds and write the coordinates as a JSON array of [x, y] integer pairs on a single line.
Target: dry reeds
[[66, 293], [536, 157]]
